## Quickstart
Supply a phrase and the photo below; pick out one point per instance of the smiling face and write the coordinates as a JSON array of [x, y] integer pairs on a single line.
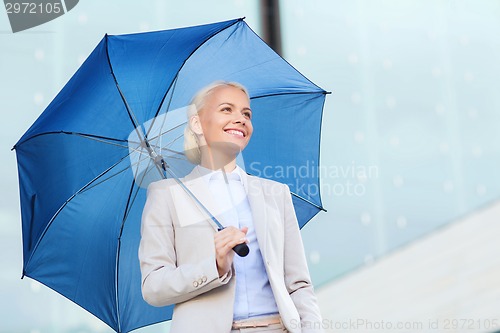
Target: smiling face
[[225, 120]]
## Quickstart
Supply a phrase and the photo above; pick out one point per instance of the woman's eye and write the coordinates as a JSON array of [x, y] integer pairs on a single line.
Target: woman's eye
[[226, 109], [248, 115]]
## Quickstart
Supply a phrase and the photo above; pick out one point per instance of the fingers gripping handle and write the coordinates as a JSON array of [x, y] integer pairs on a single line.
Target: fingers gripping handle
[[241, 249]]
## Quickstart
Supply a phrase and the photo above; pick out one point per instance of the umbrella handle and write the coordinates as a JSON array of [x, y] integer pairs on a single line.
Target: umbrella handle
[[241, 249]]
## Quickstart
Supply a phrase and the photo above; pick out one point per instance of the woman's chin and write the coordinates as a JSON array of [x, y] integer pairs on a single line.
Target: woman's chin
[[231, 147], [222, 153]]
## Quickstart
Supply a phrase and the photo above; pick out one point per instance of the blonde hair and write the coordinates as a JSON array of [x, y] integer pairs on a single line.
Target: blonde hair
[[191, 141]]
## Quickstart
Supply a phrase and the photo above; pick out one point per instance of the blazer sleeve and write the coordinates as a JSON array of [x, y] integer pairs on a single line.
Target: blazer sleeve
[[297, 279], [164, 282]]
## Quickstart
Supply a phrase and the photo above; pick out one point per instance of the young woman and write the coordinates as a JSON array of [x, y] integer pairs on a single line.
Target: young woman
[[186, 261]]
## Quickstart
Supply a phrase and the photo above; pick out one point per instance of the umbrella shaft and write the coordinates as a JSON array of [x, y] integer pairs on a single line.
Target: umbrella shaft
[[161, 162]]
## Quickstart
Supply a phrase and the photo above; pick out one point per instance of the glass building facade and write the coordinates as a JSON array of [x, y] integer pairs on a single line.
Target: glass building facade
[[410, 131]]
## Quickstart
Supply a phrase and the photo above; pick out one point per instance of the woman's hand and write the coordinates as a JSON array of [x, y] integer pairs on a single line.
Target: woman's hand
[[225, 240]]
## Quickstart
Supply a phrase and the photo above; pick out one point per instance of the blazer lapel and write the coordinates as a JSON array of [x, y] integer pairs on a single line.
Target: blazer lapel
[[258, 208]]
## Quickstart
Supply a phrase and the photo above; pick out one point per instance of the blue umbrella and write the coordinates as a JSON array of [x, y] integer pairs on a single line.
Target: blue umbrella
[[85, 163]]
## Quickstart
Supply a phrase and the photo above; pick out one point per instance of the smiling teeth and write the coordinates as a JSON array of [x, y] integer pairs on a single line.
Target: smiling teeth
[[238, 133]]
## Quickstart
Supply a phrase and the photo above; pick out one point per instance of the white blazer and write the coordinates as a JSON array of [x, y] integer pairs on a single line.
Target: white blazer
[[177, 256]]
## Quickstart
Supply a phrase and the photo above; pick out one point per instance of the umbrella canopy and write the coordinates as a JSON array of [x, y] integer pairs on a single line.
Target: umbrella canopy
[[86, 161]]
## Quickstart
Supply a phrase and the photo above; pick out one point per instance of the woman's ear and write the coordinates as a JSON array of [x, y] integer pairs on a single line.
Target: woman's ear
[[195, 124]]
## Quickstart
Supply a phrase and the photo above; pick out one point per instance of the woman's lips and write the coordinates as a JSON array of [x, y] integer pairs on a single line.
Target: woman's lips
[[235, 132]]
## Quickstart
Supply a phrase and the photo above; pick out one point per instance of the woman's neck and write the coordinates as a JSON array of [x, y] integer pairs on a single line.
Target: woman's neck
[[214, 160]]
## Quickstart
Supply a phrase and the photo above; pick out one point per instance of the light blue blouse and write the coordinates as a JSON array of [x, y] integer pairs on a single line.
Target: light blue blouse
[[254, 296]]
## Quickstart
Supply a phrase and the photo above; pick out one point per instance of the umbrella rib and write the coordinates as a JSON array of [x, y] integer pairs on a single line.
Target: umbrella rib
[[66, 202], [169, 143], [174, 82], [298, 93], [175, 152], [142, 136], [99, 138], [189, 56], [292, 93], [118, 249], [117, 261], [174, 140], [173, 85], [180, 157], [167, 131], [308, 201], [164, 118], [91, 184], [149, 164], [131, 115], [86, 187]]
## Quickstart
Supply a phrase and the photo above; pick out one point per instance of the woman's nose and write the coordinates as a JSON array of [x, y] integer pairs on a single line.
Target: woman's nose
[[240, 118]]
